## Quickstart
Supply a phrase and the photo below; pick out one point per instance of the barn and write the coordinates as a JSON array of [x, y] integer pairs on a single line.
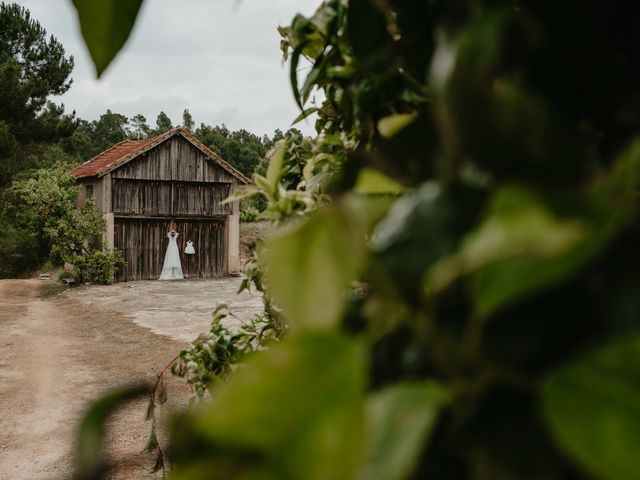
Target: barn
[[146, 187]]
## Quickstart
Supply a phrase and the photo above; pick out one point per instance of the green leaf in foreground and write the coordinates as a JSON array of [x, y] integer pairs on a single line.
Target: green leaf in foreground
[[311, 268], [89, 455], [274, 170], [105, 27], [400, 420], [292, 412], [372, 181], [517, 224], [391, 125], [593, 409]]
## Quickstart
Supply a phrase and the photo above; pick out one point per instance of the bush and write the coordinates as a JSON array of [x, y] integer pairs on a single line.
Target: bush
[[98, 266], [42, 222], [64, 274], [251, 208], [249, 215]]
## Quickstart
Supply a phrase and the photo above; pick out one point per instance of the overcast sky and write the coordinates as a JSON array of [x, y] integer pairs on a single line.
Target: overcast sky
[[218, 58]]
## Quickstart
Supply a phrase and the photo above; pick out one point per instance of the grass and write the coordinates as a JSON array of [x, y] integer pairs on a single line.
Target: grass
[[51, 289]]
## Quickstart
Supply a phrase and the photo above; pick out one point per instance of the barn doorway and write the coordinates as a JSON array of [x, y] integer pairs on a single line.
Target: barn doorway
[[143, 243]]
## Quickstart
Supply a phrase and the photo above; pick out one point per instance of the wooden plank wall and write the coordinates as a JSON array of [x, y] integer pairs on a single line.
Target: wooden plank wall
[[144, 243], [141, 198], [152, 197], [175, 159], [201, 199]]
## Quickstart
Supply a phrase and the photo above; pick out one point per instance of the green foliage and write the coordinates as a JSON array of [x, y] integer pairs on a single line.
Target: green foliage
[[51, 289], [32, 67], [163, 123], [295, 177], [248, 213], [187, 120], [91, 138], [216, 355], [105, 27], [242, 149], [43, 222], [469, 311], [401, 418], [98, 266], [44, 206], [138, 127], [321, 257], [288, 438], [592, 405]]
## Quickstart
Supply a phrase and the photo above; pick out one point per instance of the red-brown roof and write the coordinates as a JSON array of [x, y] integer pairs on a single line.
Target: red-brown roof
[[127, 150]]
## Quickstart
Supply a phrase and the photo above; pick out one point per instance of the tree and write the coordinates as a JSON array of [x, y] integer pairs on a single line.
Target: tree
[[43, 207], [139, 127], [108, 130], [32, 68], [242, 149], [187, 120], [163, 123], [81, 144]]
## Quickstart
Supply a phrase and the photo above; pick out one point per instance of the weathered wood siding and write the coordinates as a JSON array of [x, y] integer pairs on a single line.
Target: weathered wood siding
[[141, 198], [144, 243], [168, 198], [175, 159]]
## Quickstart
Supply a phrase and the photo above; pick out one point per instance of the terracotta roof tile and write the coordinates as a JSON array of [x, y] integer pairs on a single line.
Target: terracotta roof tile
[[122, 152]]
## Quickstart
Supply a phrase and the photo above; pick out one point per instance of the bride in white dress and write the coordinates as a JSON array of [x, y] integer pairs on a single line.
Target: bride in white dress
[[172, 269]]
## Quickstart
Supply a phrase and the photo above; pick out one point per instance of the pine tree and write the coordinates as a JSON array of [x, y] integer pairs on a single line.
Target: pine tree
[[32, 68], [139, 127]]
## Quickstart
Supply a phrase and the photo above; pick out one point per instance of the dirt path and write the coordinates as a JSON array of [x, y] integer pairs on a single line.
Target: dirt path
[[56, 355]]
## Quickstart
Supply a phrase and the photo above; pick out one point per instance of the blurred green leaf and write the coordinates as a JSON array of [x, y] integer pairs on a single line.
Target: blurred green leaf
[[105, 27], [367, 33], [275, 163], [89, 455], [400, 420], [372, 181], [311, 268], [422, 227], [391, 125], [242, 193], [518, 225], [292, 412], [491, 116], [593, 409], [305, 114], [293, 72], [590, 224]]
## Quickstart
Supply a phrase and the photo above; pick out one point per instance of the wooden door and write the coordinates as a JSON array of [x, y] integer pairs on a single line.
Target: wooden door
[[143, 243]]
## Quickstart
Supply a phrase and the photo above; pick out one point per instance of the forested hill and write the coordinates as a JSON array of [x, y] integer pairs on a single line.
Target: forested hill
[[243, 149]]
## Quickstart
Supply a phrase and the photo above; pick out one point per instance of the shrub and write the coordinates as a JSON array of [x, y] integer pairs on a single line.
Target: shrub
[[43, 222], [98, 266], [249, 214], [64, 274]]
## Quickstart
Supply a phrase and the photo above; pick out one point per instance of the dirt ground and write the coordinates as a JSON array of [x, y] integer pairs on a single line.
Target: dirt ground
[[58, 354], [250, 234]]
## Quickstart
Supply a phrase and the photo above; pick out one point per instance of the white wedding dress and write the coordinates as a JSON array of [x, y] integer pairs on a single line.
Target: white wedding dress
[[172, 269]]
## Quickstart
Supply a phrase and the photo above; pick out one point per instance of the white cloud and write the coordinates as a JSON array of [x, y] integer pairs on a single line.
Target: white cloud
[[218, 58]]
